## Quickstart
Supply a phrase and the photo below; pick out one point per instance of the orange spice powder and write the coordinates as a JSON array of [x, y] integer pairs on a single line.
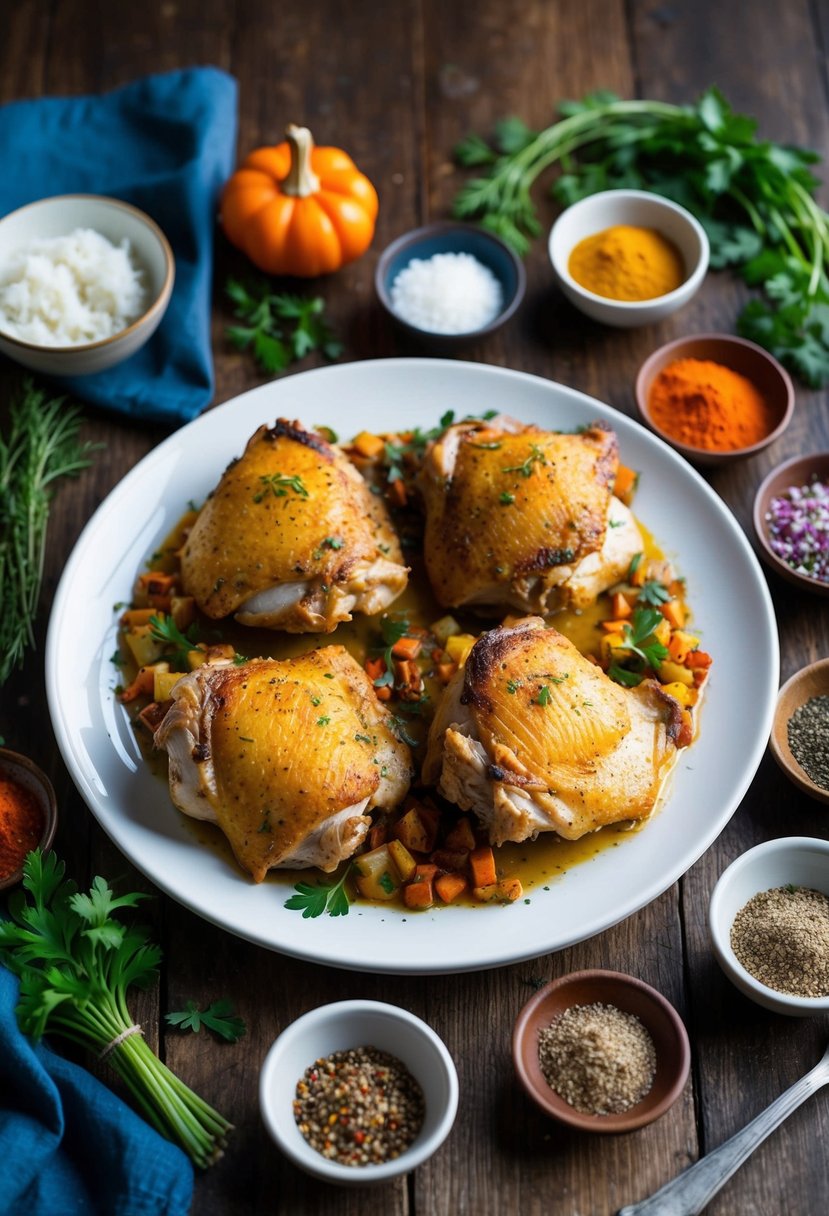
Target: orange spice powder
[[706, 405], [21, 825]]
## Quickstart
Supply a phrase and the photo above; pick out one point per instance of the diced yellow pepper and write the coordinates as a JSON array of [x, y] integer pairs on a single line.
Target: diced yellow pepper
[[612, 648], [459, 646], [144, 648], [675, 673], [163, 681], [402, 858], [662, 632], [368, 444], [680, 692]]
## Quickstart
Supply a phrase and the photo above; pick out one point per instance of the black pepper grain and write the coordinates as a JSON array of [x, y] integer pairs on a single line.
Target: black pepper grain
[[808, 733]]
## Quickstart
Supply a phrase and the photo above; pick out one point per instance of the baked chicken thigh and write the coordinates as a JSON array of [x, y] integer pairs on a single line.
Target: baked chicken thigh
[[533, 737], [286, 756], [524, 517], [292, 538]]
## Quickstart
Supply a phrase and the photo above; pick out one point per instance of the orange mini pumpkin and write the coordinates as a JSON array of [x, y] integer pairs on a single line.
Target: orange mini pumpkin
[[299, 210]]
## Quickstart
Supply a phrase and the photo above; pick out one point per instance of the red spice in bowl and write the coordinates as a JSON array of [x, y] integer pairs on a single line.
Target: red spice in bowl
[[28, 814]]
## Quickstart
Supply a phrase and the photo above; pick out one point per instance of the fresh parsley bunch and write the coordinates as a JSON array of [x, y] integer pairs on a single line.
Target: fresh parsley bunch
[[755, 199], [75, 961], [278, 328]]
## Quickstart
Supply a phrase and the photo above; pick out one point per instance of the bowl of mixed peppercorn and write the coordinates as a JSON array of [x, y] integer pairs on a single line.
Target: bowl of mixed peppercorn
[[358, 1092], [28, 814]]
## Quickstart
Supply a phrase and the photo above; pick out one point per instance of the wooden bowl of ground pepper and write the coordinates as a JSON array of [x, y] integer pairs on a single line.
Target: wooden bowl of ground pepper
[[715, 398], [28, 814], [799, 738]]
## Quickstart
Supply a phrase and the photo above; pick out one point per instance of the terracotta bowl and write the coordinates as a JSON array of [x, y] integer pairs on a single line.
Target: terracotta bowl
[[17, 768], [631, 995], [811, 681], [798, 471], [741, 356]]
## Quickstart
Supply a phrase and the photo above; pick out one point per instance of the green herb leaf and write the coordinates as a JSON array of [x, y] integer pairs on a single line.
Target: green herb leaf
[[653, 592], [313, 899], [178, 645], [278, 485], [218, 1017], [279, 328]]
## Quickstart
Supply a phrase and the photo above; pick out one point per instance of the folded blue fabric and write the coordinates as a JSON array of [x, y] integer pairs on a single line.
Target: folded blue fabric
[[69, 1146], [167, 144]]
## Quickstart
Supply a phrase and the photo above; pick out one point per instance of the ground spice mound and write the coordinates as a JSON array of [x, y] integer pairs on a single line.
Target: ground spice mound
[[781, 937], [706, 405], [808, 734], [359, 1107], [599, 1059]]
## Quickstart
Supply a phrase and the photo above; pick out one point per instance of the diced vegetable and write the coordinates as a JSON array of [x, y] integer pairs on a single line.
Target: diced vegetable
[[675, 673], [406, 648], [368, 445], [412, 832], [164, 682], [450, 886], [461, 836], [143, 646], [620, 607], [482, 866], [377, 877], [420, 893], [681, 645], [625, 484], [681, 692], [144, 682], [674, 613], [508, 890], [402, 858], [444, 628], [459, 645]]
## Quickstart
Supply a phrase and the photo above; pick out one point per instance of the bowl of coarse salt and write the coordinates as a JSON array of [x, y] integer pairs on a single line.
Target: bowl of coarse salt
[[449, 283], [84, 283]]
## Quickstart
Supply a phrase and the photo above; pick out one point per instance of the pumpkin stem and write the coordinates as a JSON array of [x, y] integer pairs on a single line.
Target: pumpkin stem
[[301, 180]]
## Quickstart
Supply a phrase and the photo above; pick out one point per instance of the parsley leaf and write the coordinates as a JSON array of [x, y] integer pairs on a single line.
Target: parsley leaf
[[639, 639], [653, 592], [278, 484], [218, 1017], [164, 629], [312, 899], [279, 328]]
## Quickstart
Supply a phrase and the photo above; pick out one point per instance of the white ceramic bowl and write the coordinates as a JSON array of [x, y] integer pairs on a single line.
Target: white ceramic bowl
[[643, 210], [800, 860], [341, 1026], [62, 214]]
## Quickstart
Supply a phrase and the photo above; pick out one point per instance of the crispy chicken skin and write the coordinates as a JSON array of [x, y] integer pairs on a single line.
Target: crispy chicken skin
[[286, 756], [292, 538], [519, 516], [533, 737]]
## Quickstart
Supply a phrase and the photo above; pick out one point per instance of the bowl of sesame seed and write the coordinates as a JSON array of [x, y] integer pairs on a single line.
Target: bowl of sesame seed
[[601, 1051], [358, 1092], [769, 924]]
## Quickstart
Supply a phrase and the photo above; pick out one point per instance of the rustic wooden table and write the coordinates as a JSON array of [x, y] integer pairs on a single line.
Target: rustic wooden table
[[398, 89]]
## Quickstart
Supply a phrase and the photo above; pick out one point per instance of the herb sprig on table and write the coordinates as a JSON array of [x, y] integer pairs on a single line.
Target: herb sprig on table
[[39, 446], [76, 960], [218, 1017], [279, 328], [313, 899], [755, 199]]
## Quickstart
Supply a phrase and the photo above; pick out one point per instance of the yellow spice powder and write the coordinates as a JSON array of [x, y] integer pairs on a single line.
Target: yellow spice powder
[[627, 263]]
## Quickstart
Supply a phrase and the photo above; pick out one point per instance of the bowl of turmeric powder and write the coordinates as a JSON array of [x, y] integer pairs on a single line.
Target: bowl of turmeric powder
[[28, 814], [715, 398], [628, 257]]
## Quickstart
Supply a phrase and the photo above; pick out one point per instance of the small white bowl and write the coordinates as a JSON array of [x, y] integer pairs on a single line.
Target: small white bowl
[[60, 215], [338, 1027], [640, 209], [800, 860]]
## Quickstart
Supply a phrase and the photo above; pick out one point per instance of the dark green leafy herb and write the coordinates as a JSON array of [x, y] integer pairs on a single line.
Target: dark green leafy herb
[[653, 592], [278, 328], [76, 960], [401, 731], [543, 695], [39, 446], [218, 1017], [506, 499], [392, 631], [755, 199], [312, 899], [622, 676], [639, 639], [164, 629]]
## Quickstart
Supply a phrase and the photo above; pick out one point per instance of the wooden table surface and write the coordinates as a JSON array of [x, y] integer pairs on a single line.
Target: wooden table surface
[[398, 90]]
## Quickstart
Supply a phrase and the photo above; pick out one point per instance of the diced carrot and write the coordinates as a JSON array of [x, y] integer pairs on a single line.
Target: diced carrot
[[450, 886], [508, 890], [445, 671], [384, 693], [375, 668], [142, 685], [674, 613], [625, 483], [397, 493], [408, 676], [698, 658], [137, 616], [461, 836], [377, 835], [482, 866], [614, 626], [619, 606], [368, 444], [419, 892], [406, 648]]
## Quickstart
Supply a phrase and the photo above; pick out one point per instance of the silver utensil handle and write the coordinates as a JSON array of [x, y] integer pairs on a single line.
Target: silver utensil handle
[[690, 1192]]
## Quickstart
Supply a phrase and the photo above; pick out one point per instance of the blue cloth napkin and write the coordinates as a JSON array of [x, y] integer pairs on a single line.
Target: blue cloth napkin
[[69, 1146], [167, 144]]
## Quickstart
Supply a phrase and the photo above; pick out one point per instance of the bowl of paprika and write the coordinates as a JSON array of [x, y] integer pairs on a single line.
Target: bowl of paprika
[[28, 814], [715, 398]]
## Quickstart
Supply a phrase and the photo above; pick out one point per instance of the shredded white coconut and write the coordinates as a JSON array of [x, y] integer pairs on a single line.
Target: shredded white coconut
[[448, 293], [69, 290]]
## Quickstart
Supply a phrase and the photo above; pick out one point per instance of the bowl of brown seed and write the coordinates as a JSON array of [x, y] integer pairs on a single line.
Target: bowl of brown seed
[[358, 1092], [769, 924], [601, 1051]]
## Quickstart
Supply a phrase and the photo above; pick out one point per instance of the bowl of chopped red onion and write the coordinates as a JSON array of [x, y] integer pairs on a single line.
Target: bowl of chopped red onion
[[448, 283], [791, 521]]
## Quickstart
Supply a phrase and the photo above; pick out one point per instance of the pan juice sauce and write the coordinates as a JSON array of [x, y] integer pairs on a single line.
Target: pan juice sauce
[[538, 863]]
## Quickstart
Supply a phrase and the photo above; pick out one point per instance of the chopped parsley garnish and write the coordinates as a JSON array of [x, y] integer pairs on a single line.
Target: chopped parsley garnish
[[505, 498], [392, 631], [387, 882], [362, 738], [164, 629], [536, 456], [323, 721], [635, 562], [543, 695], [653, 592], [513, 686]]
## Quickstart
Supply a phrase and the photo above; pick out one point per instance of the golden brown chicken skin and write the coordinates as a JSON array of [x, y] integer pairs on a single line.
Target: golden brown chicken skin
[[288, 757], [519, 516], [292, 538], [531, 736]]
